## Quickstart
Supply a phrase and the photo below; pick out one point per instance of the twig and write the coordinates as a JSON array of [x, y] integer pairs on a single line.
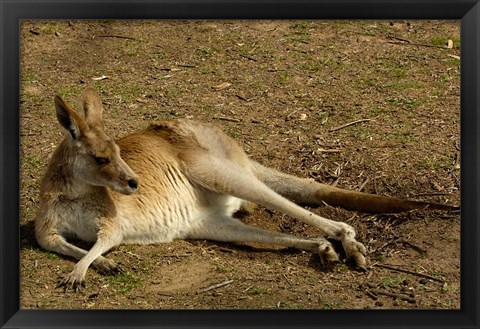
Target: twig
[[349, 124], [363, 185], [116, 36], [286, 278], [371, 294], [397, 38], [227, 250], [289, 115], [390, 294], [27, 134], [176, 255], [431, 194], [375, 183], [248, 57], [415, 44], [411, 245], [227, 119], [215, 286], [134, 255], [164, 293], [322, 150], [186, 65], [410, 272]]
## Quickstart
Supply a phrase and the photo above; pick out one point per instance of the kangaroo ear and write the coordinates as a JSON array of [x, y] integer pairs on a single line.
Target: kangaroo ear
[[92, 107], [68, 118]]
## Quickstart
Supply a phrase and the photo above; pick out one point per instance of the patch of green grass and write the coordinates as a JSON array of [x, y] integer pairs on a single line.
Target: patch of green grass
[[204, 52], [269, 154], [453, 62], [30, 162], [405, 85], [331, 305], [131, 48], [435, 163], [124, 282], [322, 117], [320, 64], [282, 77], [300, 32], [362, 133], [51, 255], [69, 91], [207, 108], [442, 41], [28, 77], [394, 280], [49, 27], [257, 290], [377, 110], [173, 93], [366, 81], [398, 73], [28, 270], [405, 136], [402, 102], [309, 102]]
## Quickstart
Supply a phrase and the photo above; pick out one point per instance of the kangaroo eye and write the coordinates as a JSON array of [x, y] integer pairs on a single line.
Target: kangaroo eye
[[101, 160]]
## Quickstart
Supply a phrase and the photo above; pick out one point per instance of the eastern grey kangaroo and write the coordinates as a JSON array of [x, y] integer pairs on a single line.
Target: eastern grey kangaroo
[[175, 180]]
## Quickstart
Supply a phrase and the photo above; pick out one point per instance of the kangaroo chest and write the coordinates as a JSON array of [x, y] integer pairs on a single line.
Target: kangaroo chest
[[79, 217]]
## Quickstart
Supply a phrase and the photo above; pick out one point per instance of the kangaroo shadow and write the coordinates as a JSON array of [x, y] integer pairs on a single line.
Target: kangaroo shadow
[[314, 261]]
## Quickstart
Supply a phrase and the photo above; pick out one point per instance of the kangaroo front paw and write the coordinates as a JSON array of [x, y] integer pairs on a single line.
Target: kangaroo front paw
[[73, 281], [355, 252], [107, 266]]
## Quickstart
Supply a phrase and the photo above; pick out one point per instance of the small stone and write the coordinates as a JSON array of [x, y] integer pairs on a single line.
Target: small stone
[[423, 281], [378, 303]]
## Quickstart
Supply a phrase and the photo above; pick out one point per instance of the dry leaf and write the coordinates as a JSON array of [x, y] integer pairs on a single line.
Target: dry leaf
[[454, 56], [302, 117], [103, 77], [450, 44], [222, 86]]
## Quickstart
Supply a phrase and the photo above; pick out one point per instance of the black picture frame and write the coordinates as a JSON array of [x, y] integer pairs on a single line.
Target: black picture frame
[[12, 12]]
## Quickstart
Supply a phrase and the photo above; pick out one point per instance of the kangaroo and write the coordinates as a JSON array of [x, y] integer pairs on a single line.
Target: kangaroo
[[176, 179]]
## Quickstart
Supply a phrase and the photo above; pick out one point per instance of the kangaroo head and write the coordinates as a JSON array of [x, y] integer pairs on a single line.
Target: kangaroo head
[[96, 160]]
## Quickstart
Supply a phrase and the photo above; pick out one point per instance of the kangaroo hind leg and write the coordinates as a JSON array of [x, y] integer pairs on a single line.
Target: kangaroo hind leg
[[225, 176], [227, 229]]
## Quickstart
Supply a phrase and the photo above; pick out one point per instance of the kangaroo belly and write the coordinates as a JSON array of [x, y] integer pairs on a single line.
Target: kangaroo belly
[[158, 222]]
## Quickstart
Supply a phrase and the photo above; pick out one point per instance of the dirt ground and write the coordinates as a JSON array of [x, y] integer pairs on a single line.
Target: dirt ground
[[283, 90]]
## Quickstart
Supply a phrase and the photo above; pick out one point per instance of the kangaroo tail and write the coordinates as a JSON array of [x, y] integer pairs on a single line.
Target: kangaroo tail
[[372, 203]]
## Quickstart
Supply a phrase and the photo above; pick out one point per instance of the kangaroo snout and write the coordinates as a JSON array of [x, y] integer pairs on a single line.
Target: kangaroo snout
[[132, 185], [128, 185]]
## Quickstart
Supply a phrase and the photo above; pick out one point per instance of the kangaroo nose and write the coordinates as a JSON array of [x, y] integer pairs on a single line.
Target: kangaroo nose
[[133, 184]]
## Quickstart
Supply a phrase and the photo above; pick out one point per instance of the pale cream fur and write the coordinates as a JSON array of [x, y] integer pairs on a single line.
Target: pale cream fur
[[174, 180]]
